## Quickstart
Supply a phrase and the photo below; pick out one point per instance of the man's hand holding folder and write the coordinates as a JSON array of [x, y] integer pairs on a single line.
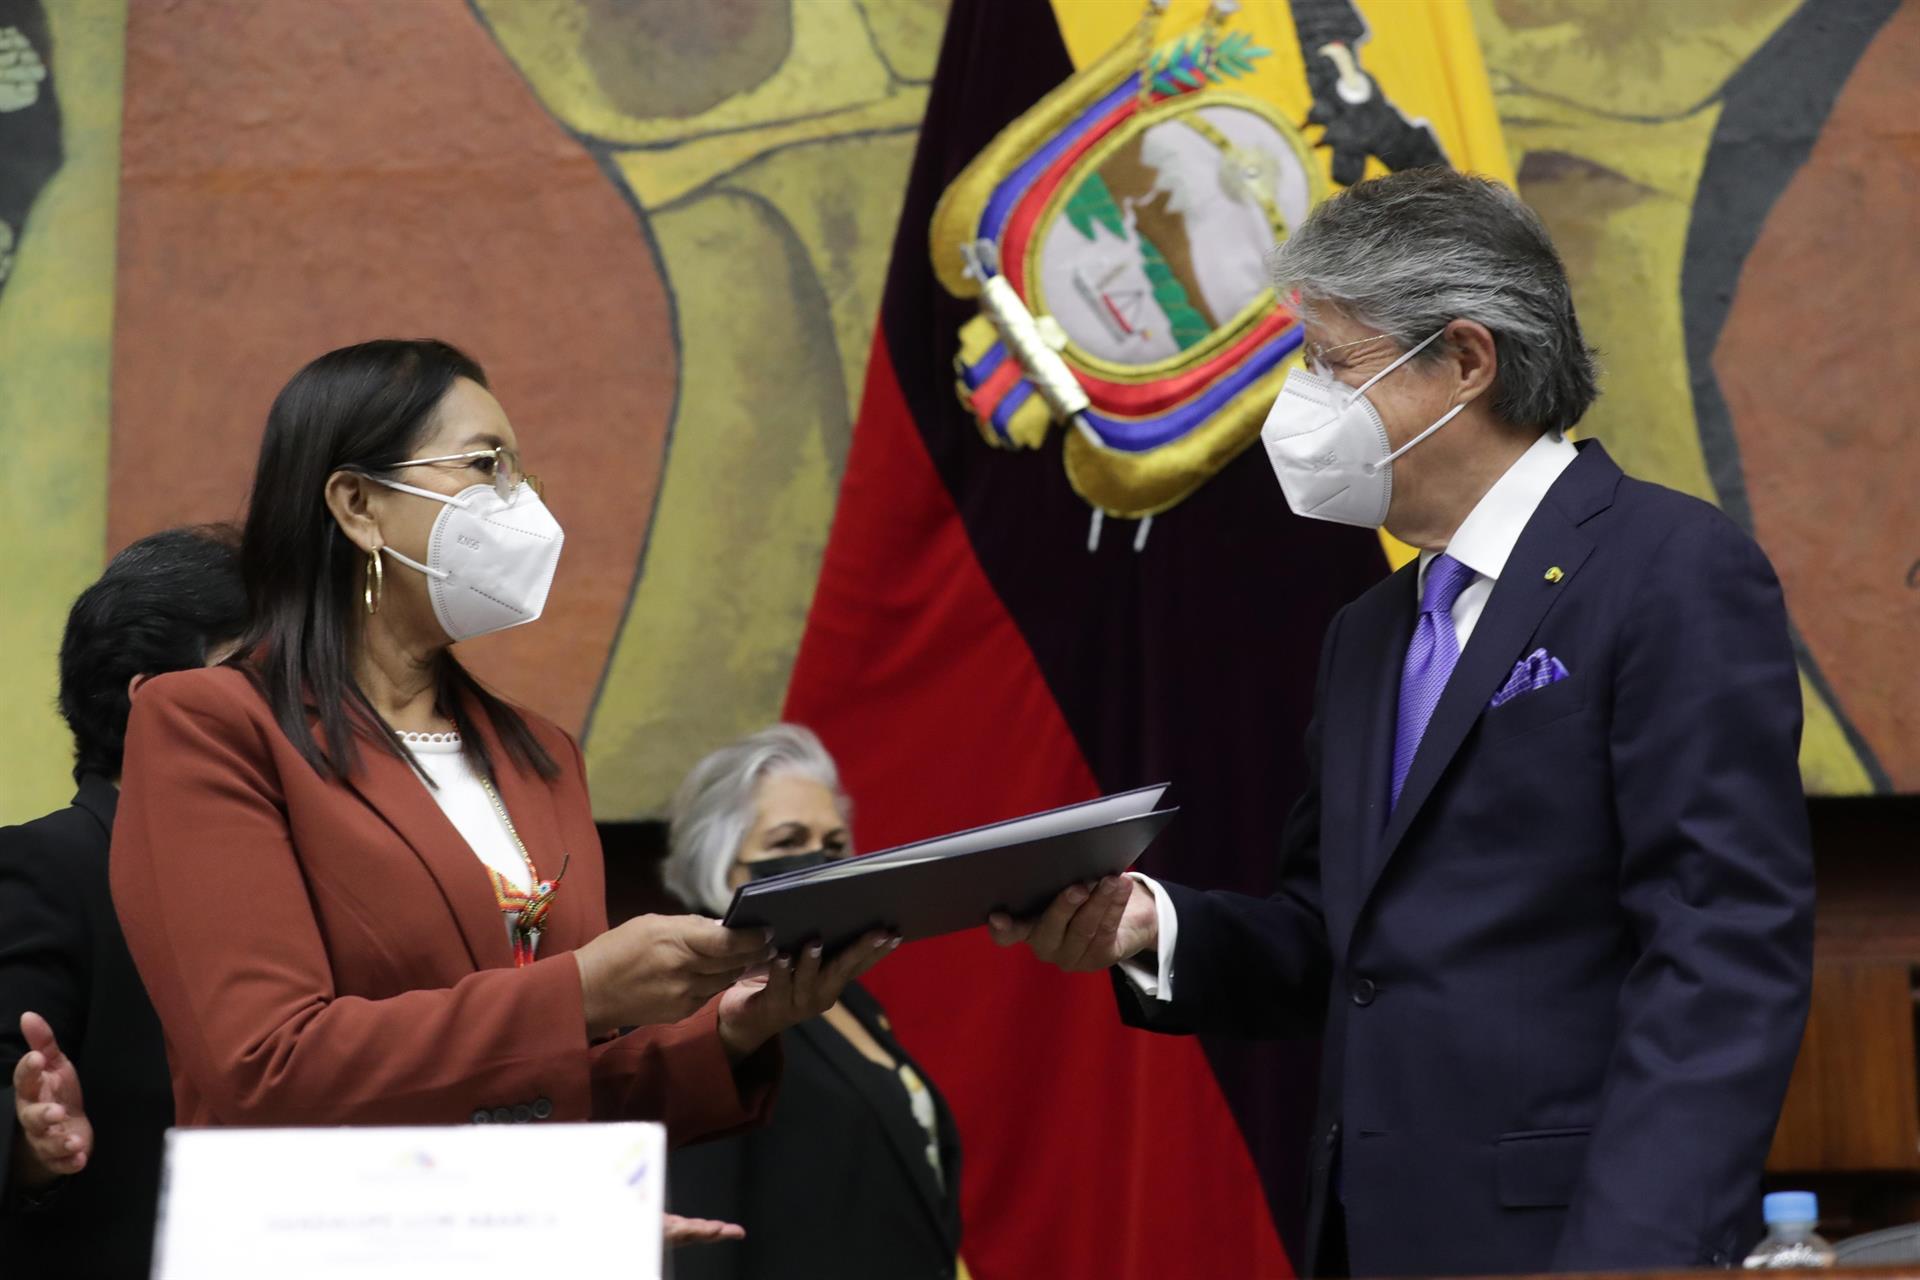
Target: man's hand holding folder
[[1087, 927]]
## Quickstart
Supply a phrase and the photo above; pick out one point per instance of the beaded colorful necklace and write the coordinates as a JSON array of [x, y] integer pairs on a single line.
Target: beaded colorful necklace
[[525, 911]]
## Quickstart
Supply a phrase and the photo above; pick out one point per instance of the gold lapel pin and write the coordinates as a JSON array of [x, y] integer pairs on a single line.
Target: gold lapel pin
[[1554, 574]]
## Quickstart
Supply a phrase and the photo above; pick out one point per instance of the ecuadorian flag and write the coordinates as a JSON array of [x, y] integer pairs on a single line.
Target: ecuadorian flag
[[972, 653]]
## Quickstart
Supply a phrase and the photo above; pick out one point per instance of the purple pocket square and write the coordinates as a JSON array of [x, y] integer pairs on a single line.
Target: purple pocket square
[[1535, 671]]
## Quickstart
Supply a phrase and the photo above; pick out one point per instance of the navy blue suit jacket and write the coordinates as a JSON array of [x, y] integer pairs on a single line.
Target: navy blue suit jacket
[[1562, 983]]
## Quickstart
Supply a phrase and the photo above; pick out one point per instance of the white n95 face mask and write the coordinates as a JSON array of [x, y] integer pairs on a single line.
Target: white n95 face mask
[[490, 561], [1329, 448]]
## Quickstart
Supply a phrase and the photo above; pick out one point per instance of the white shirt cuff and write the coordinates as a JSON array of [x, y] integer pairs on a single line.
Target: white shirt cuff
[[1156, 983]]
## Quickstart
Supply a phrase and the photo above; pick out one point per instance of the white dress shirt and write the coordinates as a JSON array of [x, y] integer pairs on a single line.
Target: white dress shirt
[[1483, 542], [468, 807]]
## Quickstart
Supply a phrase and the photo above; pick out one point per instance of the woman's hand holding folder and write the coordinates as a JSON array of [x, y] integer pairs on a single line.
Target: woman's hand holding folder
[[793, 989], [654, 970]]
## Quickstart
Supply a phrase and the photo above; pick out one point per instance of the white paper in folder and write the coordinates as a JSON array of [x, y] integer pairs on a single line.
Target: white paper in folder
[[412, 1203]]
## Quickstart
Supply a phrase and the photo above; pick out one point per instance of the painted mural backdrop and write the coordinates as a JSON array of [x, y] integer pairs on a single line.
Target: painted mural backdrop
[[60, 75], [660, 225], [663, 225], [1733, 183]]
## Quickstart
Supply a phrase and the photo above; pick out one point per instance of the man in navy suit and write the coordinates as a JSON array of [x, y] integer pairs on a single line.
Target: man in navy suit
[[1548, 895]]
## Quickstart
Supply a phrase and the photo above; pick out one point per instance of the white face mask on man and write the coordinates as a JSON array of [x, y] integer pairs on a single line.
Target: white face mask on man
[[490, 560], [1329, 448]]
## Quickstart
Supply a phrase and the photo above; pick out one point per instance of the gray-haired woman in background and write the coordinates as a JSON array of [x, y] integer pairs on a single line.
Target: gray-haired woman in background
[[859, 1172]]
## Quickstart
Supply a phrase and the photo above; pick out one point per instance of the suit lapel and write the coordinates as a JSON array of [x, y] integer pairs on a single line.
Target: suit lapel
[[1520, 601], [942, 1198], [1382, 672], [1353, 769], [1356, 745], [399, 795], [889, 1106]]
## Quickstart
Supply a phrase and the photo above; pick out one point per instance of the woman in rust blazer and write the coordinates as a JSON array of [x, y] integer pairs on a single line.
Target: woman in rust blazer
[[361, 888]]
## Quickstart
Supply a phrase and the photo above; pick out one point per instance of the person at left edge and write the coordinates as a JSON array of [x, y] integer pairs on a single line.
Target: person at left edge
[[71, 1006], [362, 888]]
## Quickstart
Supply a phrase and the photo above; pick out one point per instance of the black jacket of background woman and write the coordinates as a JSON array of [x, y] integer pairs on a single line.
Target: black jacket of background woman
[[839, 1183]]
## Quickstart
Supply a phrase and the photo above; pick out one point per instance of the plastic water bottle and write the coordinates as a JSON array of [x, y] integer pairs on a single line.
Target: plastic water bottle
[[1790, 1241]]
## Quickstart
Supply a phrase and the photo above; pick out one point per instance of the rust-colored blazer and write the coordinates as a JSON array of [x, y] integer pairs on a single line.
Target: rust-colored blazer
[[325, 953]]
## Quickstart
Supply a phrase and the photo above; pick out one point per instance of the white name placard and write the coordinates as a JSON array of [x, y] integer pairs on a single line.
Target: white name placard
[[470, 1201]]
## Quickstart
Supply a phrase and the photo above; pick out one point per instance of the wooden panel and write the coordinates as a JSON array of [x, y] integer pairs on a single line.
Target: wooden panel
[[1854, 1103], [1867, 878]]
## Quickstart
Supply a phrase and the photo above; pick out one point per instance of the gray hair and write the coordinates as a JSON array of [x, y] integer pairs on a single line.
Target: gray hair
[[1411, 251], [713, 810]]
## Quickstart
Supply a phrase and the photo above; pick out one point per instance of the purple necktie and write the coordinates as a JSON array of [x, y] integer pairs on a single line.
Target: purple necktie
[[1430, 659]]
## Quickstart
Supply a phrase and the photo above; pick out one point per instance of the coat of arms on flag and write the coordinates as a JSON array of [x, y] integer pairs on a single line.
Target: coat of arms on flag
[[1117, 233]]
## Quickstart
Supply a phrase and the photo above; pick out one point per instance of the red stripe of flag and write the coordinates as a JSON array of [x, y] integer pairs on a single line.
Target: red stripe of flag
[[1090, 1150]]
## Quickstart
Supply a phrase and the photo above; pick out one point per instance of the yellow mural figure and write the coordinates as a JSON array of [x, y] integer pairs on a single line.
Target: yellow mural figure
[[765, 148], [56, 327]]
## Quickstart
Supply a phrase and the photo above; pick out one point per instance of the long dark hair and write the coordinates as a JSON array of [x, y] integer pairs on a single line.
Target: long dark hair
[[361, 408]]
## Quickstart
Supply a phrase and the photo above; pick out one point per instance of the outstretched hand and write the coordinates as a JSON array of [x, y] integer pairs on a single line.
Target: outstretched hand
[[57, 1137], [793, 989], [683, 1231], [1088, 926]]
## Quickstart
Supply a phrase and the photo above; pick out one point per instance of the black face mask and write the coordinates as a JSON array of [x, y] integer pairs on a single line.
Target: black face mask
[[766, 867]]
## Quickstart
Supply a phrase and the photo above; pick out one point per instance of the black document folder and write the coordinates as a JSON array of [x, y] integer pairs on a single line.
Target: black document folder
[[954, 882]]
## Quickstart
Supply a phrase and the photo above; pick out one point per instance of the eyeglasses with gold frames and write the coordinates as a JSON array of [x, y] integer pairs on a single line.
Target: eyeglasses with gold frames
[[1314, 354], [504, 468]]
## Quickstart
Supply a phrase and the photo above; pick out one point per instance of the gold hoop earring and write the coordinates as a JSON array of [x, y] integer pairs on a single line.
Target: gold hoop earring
[[376, 581]]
